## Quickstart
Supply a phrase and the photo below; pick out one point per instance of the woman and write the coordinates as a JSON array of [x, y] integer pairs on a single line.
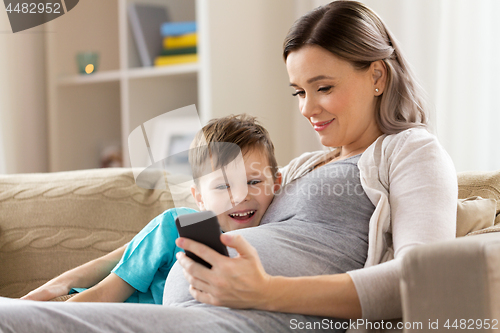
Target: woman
[[358, 92], [342, 216]]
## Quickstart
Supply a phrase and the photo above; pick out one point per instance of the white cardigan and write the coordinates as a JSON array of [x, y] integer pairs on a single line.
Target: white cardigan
[[412, 182]]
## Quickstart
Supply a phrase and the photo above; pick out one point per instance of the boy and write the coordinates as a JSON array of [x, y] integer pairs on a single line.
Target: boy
[[140, 275]]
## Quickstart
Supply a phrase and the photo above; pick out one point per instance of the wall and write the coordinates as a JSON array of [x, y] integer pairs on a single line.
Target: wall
[[23, 128], [247, 73]]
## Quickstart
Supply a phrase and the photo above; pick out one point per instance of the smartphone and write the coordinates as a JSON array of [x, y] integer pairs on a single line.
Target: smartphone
[[204, 228]]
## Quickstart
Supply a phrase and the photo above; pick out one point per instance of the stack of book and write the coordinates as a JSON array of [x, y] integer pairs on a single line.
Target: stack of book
[[179, 43]]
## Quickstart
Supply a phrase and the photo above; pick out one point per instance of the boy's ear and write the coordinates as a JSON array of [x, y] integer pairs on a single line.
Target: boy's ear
[[277, 182], [197, 197]]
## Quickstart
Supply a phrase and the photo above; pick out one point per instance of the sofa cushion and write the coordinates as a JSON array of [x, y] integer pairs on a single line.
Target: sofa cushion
[[480, 183], [474, 214], [73, 216]]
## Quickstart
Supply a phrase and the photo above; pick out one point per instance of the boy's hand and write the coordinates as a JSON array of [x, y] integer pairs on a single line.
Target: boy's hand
[[48, 291], [239, 282], [83, 276]]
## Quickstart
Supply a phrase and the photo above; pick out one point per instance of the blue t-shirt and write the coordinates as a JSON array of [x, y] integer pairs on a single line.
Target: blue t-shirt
[[149, 256]]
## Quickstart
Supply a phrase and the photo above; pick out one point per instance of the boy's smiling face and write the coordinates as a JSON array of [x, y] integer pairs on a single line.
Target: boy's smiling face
[[244, 198]]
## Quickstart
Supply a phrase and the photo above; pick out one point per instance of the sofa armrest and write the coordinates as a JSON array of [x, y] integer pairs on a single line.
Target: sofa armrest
[[457, 279]]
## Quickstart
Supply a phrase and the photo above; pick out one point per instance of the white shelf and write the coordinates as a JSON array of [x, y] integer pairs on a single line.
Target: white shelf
[[145, 72], [107, 76], [134, 73]]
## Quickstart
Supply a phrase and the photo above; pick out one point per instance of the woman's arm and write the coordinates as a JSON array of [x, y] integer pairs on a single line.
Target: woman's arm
[[241, 282], [324, 295], [419, 188], [83, 276], [111, 289]]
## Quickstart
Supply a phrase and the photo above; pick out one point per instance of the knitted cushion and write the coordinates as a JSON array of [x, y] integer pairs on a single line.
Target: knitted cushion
[[52, 222]]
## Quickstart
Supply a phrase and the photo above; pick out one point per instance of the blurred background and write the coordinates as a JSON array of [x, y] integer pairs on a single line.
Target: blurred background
[[56, 117]]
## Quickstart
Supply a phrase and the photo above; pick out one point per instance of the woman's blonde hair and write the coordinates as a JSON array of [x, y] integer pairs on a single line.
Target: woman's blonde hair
[[353, 32]]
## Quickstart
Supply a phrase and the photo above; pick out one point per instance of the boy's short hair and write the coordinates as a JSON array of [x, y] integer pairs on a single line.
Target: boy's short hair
[[242, 130]]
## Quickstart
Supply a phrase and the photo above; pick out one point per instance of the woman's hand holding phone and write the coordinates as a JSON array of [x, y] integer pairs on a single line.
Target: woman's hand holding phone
[[239, 282]]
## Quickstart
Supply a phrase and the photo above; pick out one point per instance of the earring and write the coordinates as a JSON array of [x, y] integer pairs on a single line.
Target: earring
[[376, 90]]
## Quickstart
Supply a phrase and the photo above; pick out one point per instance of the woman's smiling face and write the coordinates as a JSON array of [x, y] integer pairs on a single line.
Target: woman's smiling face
[[338, 100]]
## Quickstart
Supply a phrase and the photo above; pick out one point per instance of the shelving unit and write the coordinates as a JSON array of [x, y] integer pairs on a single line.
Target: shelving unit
[[120, 95], [88, 112]]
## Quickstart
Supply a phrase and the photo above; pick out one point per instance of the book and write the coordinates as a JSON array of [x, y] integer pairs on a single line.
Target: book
[[176, 59], [177, 42], [184, 50], [177, 28], [146, 21]]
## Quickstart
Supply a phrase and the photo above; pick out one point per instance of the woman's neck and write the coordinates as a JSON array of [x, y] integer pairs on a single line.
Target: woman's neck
[[343, 152], [360, 146]]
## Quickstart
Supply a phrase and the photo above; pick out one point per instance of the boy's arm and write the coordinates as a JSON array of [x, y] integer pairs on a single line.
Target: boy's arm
[[83, 276], [111, 289]]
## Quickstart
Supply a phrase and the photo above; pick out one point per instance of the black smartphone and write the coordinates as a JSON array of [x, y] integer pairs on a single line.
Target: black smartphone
[[204, 228]]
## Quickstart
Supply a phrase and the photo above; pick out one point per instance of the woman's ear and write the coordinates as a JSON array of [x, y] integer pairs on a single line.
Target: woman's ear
[[379, 75], [197, 197]]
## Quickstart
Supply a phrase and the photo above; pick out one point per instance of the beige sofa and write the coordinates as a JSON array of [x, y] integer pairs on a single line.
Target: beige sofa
[[457, 283], [50, 223]]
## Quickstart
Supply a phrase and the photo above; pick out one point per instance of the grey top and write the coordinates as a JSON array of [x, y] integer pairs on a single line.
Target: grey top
[[317, 224]]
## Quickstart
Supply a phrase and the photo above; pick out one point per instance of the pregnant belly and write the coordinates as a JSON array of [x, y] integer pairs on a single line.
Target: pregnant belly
[[290, 250]]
